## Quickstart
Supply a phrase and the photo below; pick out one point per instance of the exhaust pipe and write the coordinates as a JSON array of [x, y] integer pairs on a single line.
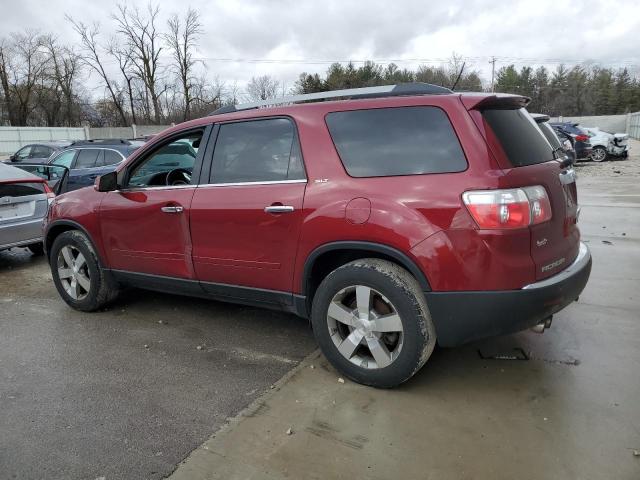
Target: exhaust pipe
[[542, 326]]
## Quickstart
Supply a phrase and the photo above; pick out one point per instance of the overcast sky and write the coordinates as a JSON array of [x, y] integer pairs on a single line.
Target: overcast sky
[[301, 35]]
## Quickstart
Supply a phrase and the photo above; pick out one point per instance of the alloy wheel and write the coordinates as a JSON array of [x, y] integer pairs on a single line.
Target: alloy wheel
[[598, 154], [365, 327], [73, 272]]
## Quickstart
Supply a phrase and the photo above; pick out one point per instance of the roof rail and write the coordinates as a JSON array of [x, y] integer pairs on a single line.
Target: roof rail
[[102, 141], [416, 88]]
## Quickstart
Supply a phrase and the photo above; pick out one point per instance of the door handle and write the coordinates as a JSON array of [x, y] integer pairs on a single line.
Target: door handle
[[172, 209], [279, 209]]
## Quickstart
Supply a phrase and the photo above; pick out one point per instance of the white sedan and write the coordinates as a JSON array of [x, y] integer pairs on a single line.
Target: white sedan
[[607, 144]]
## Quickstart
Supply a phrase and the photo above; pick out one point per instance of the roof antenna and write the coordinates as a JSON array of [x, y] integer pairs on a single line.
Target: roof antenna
[[459, 75]]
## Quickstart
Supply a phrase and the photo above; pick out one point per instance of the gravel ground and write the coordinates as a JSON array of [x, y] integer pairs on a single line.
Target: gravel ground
[[612, 168]]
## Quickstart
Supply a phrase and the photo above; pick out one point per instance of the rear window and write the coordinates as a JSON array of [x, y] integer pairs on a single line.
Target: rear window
[[396, 141], [521, 140], [87, 158], [21, 189]]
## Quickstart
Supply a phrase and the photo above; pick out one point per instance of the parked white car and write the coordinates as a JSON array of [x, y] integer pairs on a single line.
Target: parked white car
[[607, 144]]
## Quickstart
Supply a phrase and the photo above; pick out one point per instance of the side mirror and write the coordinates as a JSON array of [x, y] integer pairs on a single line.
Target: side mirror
[[12, 158], [107, 182]]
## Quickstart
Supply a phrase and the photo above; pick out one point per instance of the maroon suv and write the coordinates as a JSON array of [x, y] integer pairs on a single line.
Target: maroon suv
[[395, 218]]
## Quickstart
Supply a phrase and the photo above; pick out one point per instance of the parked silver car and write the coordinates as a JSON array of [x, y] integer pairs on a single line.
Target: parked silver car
[[24, 201]]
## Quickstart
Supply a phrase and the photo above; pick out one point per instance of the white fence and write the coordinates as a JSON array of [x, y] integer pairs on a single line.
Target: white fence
[[634, 125], [14, 138], [609, 123]]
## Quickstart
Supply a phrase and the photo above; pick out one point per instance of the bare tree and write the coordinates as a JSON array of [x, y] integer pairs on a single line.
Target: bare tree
[[92, 57], [182, 40], [5, 71], [143, 39], [262, 88], [64, 68], [123, 57], [22, 63]]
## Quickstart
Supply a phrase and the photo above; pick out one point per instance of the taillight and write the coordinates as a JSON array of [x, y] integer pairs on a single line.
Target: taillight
[[582, 138], [49, 192], [512, 208]]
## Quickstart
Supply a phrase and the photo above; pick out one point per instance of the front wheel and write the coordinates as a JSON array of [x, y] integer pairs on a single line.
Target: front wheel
[[371, 321], [599, 154], [77, 274]]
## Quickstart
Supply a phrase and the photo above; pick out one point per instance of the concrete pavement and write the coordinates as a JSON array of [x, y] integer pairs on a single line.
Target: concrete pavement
[[563, 405]]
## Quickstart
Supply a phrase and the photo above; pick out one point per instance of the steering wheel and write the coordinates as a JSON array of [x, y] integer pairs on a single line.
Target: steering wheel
[[178, 176]]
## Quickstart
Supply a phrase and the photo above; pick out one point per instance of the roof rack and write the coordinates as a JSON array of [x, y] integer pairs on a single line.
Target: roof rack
[[102, 141], [416, 88]]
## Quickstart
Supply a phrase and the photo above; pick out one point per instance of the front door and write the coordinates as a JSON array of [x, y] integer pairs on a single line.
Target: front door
[[245, 223], [145, 224]]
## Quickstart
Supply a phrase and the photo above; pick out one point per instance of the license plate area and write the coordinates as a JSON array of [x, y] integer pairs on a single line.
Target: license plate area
[[15, 211]]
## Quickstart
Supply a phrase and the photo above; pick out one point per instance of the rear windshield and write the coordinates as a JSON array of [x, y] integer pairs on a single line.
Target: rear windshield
[[21, 189], [520, 137], [396, 141]]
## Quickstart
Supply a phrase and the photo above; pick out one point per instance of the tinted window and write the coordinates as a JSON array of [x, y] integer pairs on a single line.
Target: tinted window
[[23, 152], [21, 189], [111, 157], [396, 141], [87, 158], [65, 158], [40, 151], [550, 135], [257, 151], [521, 140]]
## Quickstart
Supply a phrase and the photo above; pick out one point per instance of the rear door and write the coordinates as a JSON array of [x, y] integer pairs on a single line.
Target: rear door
[[245, 222], [528, 159]]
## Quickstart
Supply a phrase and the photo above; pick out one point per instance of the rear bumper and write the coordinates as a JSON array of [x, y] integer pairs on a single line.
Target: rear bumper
[[460, 317], [21, 234]]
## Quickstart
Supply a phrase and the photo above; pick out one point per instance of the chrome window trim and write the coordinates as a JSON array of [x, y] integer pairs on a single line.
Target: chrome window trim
[[266, 182], [159, 187]]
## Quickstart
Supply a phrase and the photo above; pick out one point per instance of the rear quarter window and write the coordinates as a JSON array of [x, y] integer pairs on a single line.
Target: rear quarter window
[[396, 141], [523, 143]]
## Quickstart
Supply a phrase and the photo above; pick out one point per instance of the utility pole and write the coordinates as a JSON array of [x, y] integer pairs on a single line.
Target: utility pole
[[493, 71]]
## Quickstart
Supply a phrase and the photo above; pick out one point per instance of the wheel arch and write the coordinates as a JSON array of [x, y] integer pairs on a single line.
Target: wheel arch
[[326, 258], [57, 227]]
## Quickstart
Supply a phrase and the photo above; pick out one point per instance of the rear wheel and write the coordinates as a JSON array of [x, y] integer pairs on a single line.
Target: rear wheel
[[599, 154], [77, 274], [36, 248], [371, 321]]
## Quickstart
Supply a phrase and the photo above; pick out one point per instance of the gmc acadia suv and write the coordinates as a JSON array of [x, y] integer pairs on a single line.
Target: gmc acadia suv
[[395, 218]]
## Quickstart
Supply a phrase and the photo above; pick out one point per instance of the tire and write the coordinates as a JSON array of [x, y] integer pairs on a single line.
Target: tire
[[599, 154], [36, 248], [399, 354], [93, 287]]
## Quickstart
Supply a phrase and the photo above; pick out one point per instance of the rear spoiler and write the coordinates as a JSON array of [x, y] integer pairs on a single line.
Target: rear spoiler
[[494, 101]]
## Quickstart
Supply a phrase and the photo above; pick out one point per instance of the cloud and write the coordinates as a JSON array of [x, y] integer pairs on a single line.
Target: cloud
[[520, 31]]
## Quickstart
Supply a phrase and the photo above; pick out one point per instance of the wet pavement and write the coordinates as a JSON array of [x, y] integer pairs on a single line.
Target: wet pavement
[[126, 393]]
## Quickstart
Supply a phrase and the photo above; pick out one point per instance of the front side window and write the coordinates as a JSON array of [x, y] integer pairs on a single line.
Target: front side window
[[169, 164], [257, 151], [23, 153], [40, 151], [65, 159], [396, 141]]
